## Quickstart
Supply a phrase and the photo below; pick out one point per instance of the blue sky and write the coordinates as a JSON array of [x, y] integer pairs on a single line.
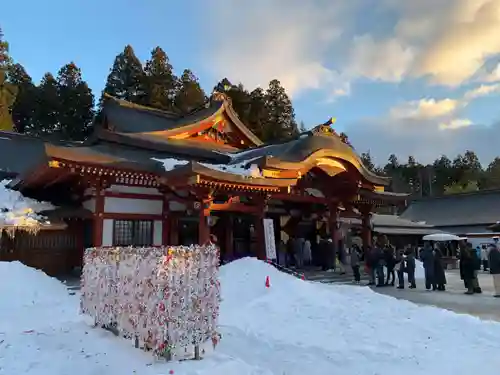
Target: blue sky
[[408, 77]]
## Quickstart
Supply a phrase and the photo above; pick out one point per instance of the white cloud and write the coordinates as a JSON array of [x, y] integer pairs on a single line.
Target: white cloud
[[265, 39], [424, 109], [455, 124], [318, 44], [482, 90], [387, 60]]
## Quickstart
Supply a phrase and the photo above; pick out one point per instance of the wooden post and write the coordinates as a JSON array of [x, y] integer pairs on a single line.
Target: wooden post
[[173, 224], [165, 231], [366, 230], [259, 231], [333, 223], [228, 236], [98, 214], [203, 228]]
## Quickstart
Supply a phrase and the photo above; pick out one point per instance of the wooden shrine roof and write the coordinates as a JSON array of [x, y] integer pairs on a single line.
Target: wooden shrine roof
[[124, 117]]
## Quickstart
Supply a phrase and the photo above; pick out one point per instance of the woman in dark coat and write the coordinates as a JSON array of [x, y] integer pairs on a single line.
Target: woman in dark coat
[[427, 257], [439, 274], [390, 263], [467, 267]]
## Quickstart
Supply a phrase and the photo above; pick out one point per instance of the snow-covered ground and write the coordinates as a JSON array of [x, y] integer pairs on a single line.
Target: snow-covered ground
[[294, 327]]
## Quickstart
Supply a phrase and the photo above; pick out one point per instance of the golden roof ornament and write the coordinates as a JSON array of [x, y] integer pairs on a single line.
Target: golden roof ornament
[[218, 96], [326, 128]]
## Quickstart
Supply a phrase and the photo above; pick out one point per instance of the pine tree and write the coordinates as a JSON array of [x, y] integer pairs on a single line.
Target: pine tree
[[240, 98], [8, 91], [5, 59], [46, 108], [159, 81], [126, 78], [258, 116], [281, 123], [76, 104], [190, 95], [302, 127], [23, 108]]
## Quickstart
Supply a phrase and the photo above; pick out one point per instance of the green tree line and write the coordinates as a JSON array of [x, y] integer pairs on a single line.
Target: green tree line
[[444, 176], [63, 107]]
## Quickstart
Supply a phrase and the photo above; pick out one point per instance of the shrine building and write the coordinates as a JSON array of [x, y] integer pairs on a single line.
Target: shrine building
[[146, 177]]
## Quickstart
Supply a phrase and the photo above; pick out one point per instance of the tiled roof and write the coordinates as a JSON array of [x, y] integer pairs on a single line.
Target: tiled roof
[[395, 221], [478, 208]]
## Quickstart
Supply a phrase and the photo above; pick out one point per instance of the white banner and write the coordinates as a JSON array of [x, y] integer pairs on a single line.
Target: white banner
[[269, 239]]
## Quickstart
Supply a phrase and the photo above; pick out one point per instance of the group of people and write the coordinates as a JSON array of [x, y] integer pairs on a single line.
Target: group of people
[[470, 264], [383, 262], [384, 257]]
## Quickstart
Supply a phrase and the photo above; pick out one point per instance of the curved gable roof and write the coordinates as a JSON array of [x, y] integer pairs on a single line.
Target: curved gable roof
[[305, 150]]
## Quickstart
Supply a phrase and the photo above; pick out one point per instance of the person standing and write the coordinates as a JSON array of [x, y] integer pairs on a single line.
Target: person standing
[[355, 263], [439, 273], [410, 266], [371, 264], [467, 267], [379, 265], [494, 262], [306, 252], [400, 268], [298, 247], [390, 263], [427, 257], [485, 250]]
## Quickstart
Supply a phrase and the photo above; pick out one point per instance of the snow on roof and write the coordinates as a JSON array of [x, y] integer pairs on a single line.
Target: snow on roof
[[18, 211], [171, 163], [245, 168]]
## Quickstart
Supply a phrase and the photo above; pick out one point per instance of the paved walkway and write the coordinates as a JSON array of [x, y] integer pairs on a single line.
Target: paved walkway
[[483, 305]]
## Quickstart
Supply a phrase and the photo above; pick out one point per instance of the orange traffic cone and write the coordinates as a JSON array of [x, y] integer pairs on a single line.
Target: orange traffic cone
[[268, 282]]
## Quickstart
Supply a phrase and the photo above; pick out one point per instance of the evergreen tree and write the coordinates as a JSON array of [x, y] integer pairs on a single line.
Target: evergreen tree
[[126, 78], [302, 127], [5, 59], [366, 158], [76, 104], [159, 81], [258, 117], [281, 122], [8, 91], [23, 109], [46, 107], [240, 99], [190, 95]]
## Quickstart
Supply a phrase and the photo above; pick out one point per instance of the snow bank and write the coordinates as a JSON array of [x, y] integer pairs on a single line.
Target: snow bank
[[294, 327], [30, 299], [315, 328]]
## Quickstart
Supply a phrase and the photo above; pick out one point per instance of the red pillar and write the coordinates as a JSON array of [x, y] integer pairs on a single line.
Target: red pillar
[[333, 221], [260, 235], [228, 236], [366, 229], [203, 228], [165, 231], [98, 214]]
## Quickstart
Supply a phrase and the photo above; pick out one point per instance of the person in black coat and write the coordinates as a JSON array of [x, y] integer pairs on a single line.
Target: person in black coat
[[390, 263], [494, 263], [467, 267], [439, 273], [427, 258]]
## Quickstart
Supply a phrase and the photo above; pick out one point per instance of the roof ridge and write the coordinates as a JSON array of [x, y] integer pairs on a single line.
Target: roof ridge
[[128, 104]]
